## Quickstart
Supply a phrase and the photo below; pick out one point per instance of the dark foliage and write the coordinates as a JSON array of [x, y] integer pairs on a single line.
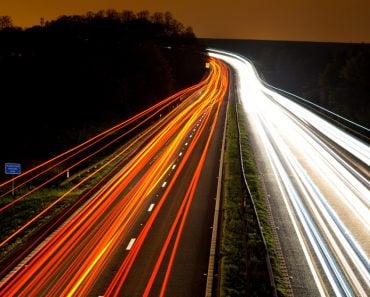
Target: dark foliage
[[64, 81], [344, 84]]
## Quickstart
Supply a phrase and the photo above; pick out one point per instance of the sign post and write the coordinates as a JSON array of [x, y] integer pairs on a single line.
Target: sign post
[[13, 169]]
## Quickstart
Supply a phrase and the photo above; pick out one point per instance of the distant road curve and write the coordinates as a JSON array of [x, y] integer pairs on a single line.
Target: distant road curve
[[317, 181]]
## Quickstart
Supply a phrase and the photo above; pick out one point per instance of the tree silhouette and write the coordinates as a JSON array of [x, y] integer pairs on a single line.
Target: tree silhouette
[[5, 22], [79, 74]]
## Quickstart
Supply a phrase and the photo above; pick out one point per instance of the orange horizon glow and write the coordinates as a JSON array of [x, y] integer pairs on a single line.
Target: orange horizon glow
[[305, 20]]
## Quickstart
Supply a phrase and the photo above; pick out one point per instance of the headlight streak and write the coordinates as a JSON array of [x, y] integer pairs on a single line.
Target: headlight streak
[[353, 191], [72, 260], [309, 193], [356, 147], [320, 185], [287, 191], [320, 247]]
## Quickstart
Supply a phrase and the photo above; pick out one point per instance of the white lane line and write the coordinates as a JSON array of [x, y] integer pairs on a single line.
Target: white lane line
[[164, 184], [130, 244], [173, 167], [180, 154], [186, 144], [151, 207]]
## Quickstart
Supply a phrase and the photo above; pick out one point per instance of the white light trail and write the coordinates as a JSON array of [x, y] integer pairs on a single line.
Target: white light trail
[[326, 195]]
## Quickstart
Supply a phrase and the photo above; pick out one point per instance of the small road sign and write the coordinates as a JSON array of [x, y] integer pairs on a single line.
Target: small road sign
[[12, 168]]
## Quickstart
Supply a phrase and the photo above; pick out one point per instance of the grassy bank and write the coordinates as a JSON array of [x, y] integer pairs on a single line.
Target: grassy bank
[[244, 271], [233, 245], [255, 186], [33, 217]]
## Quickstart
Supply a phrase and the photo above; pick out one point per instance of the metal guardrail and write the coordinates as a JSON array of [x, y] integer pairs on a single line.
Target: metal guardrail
[[349, 126], [211, 264]]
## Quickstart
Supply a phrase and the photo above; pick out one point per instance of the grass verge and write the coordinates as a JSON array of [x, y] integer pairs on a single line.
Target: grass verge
[[244, 271], [233, 280], [255, 186], [42, 205]]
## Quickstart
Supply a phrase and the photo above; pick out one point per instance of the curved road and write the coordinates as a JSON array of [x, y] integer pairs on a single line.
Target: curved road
[[147, 231], [317, 181]]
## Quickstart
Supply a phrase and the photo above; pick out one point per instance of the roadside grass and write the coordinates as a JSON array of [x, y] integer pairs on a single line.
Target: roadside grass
[[232, 249], [244, 271], [34, 204]]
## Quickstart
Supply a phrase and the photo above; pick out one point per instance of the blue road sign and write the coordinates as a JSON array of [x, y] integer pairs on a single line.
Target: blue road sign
[[12, 168]]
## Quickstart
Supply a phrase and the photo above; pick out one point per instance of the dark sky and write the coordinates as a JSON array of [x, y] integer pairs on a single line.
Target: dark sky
[[303, 20]]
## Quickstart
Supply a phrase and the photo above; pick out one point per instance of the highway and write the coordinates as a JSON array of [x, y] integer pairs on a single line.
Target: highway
[[316, 179], [147, 231]]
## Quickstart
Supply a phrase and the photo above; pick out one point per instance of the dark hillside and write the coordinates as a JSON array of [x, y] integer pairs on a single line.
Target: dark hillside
[[64, 81]]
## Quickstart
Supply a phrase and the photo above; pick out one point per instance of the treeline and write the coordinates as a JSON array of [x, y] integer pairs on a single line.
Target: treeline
[[333, 75], [344, 84], [66, 79]]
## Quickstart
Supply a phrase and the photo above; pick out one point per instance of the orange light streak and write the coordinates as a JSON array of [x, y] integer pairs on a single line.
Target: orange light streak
[[117, 283], [71, 261]]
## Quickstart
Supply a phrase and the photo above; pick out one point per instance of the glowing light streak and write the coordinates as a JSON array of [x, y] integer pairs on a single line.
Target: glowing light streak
[[118, 281], [75, 256], [326, 195]]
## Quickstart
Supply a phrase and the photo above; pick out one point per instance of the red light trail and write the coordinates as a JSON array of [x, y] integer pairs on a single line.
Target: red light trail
[[72, 261]]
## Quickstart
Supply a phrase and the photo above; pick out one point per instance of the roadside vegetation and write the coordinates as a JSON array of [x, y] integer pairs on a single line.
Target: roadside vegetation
[[233, 280], [34, 217], [243, 255]]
